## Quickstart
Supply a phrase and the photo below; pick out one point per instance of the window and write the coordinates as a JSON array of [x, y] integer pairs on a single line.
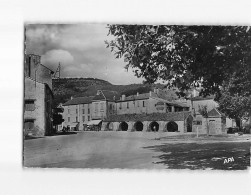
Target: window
[[120, 105], [29, 105], [76, 111], [68, 110], [83, 111], [138, 103], [144, 104], [83, 118], [88, 110], [96, 107], [69, 119], [102, 106], [29, 67], [127, 104], [88, 118], [29, 124], [76, 119], [110, 106], [198, 122]]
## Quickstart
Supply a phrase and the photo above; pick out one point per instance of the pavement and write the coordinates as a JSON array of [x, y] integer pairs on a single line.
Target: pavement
[[130, 150]]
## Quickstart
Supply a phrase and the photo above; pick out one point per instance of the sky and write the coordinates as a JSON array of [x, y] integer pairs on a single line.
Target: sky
[[80, 49]]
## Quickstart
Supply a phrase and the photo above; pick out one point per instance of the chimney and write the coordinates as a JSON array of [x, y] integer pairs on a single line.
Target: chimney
[[137, 93], [123, 97]]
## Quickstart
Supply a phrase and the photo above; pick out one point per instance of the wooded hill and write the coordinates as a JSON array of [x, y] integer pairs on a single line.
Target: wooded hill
[[64, 88]]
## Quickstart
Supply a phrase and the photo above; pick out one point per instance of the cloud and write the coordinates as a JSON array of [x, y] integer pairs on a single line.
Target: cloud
[[53, 57], [80, 49]]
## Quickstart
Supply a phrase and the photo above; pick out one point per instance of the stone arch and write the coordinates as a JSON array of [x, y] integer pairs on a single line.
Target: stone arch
[[154, 126], [123, 126], [171, 126], [138, 126], [109, 126], [189, 123]]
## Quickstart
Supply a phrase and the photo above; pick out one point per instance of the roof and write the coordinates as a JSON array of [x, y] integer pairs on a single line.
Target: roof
[[215, 113], [162, 96], [171, 116], [94, 122], [106, 95], [79, 100], [199, 98], [47, 68]]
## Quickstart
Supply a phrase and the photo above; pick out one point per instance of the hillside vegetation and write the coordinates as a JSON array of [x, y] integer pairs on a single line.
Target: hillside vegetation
[[64, 88]]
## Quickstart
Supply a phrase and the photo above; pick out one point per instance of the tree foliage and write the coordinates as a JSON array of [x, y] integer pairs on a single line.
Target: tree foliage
[[185, 56], [235, 100]]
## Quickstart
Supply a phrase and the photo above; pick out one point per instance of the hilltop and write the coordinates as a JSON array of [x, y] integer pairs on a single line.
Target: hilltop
[[64, 88]]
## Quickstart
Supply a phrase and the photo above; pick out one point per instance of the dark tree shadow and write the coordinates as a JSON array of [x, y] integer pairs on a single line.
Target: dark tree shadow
[[204, 156]]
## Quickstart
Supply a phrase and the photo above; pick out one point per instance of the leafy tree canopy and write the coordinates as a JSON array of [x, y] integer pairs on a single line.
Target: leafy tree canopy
[[235, 100], [186, 56]]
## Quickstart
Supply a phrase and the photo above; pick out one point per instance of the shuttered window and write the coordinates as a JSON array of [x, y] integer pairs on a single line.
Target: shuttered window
[[29, 105]]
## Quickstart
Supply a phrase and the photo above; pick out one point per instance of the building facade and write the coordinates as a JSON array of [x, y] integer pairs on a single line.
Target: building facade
[[152, 110], [38, 97]]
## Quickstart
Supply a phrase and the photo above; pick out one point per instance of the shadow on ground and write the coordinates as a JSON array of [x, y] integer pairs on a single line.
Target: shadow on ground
[[204, 156], [28, 137]]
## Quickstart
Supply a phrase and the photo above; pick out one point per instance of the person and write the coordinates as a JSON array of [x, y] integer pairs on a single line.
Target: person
[[154, 128]]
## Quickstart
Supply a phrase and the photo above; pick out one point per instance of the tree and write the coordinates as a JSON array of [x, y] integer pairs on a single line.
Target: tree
[[235, 101], [57, 117], [185, 56], [204, 112]]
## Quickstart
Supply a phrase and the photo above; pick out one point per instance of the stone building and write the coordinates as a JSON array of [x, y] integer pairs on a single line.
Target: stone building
[[176, 122], [141, 112], [208, 101], [81, 111], [38, 97], [77, 113]]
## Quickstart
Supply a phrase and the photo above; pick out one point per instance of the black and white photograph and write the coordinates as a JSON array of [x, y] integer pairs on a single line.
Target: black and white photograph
[[137, 96], [125, 97]]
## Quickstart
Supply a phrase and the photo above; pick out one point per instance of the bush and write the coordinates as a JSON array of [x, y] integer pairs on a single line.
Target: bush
[[247, 129]]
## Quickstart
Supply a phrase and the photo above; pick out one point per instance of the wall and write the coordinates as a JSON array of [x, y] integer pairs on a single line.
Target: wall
[[74, 111], [134, 107], [37, 71], [99, 109], [36, 91]]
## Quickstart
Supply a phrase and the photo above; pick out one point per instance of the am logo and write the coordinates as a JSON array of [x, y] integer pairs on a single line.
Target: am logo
[[228, 160]]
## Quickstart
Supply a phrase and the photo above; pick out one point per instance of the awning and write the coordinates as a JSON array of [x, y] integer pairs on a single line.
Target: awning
[[94, 122]]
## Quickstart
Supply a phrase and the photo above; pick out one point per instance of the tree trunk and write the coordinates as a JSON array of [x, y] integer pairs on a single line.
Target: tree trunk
[[207, 127], [238, 122]]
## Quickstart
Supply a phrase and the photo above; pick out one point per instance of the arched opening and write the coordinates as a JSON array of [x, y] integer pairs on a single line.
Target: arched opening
[[189, 123], [138, 126], [154, 126], [123, 126], [172, 126]]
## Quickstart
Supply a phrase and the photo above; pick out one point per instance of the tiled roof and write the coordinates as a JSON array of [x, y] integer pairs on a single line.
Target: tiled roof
[[199, 98], [107, 95], [136, 97], [215, 113], [79, 100], [171, 116]]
